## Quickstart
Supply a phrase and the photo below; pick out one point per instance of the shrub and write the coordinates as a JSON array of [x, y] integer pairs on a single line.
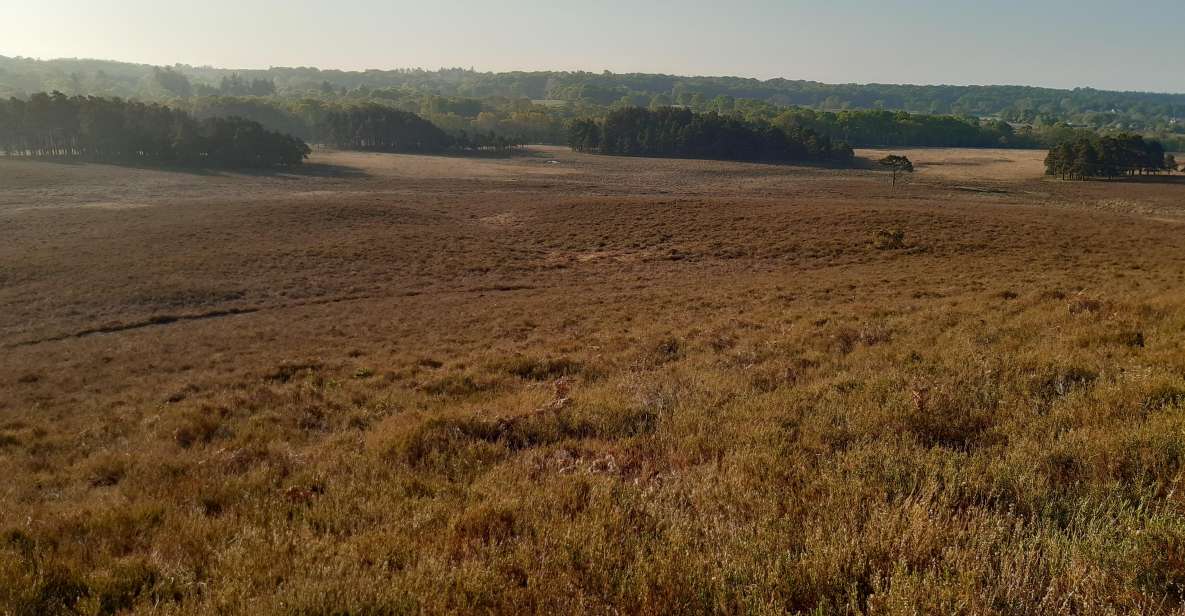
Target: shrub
[[118, 589], [886, 239], [1162, 397], [107, 471], [955, 419], [200, 428], [1160, 564], [481, 526], [534, 369], [454, 385]]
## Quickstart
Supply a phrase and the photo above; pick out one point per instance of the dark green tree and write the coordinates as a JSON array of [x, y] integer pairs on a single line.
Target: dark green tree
[[118, 131], [897, 164], [585, 136]]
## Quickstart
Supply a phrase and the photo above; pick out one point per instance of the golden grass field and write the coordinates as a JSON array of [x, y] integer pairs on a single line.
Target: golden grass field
[[558, 383]]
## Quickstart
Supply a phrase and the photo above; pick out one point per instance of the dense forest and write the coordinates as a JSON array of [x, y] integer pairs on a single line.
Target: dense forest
[[538, 107], [900, 128], [114, 130], [669, 131], [374, 127], [1147, 113], [379, 128], [1108, 157], [190, 112], [118, 131]]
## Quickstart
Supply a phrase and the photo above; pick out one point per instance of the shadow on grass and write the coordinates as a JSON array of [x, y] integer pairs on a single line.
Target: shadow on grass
[[312, 170], [811, 164], [1152, 179], [1136, 179], [322, 170], [525, 152]]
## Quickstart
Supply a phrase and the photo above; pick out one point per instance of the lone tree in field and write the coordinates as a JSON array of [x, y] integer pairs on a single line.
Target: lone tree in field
[[896, 163]]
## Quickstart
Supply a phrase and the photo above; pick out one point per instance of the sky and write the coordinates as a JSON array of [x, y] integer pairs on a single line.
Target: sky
[[1055, 43]]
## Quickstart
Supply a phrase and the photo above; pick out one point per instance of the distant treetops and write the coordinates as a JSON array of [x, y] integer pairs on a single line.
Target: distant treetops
[[678, 132], [380, 128], [1108, 157], [118, 131], [114, 130]]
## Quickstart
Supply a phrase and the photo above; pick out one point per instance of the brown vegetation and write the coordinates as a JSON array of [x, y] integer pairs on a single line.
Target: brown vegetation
[[401, 384]]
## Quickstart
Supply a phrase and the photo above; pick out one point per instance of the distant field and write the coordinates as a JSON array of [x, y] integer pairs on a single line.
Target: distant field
[[972, 164], [563, 383]]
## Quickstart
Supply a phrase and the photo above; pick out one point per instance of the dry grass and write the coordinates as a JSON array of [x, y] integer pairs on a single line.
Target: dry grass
[[408, 385]]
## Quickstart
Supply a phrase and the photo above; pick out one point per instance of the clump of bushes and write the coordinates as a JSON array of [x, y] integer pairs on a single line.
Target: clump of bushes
[[536, 369], [1164, 396], [455, 385], [889, 239], [953, 418]]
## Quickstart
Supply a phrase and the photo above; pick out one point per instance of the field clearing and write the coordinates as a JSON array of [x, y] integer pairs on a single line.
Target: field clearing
[[566, 383], [971, 164]]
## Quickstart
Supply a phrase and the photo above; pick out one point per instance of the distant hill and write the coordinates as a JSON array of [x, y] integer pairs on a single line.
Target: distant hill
[[24, 75], [1150, 113]]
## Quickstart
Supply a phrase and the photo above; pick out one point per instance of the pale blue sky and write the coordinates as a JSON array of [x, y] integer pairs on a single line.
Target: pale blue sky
[[1060, 43]]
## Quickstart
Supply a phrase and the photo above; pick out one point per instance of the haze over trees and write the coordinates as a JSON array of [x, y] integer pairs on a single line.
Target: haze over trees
[[117, 131], [233, 85], [900, 128], [1152, 114], [377, 128], [539, 107], [1108, 157], [374, 127], [669, 131]]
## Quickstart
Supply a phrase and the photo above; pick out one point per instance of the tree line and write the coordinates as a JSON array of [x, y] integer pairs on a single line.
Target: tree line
[[534, 122], [1108, 157], [538, 107], [567, 94], [1145, 112], [381, 128], [677, 132], [118, 131], [870, 128]]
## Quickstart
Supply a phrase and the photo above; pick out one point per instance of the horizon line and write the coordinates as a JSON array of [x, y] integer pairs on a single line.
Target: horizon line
[[472, 69]]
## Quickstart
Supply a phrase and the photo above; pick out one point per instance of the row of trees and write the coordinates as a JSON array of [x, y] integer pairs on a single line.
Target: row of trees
[[1108, 157], [680, 132], [515, 120], [548, 122], [566, 93], [888, 128], [118, 131], [381, 128], [604, 88]]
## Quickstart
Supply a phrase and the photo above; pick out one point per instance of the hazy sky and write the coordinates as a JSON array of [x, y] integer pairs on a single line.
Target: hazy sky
[[1062, 43]]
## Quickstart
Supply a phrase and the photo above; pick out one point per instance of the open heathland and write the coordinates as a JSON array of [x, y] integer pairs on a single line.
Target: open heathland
[[567, 383]]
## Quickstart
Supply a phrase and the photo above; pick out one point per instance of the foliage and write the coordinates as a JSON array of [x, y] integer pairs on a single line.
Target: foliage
[[886, 128], [897, 164], [536, 106], [1107, 157], [374, 127], [114, 130], [1042, 109], [670, 131]]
